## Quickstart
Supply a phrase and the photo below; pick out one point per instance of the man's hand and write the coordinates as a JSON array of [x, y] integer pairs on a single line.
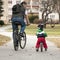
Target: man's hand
[[28, 24], [27, 20]]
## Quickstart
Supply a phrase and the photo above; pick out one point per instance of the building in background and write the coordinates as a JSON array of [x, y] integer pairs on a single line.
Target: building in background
[[7, 9], [33, 6]]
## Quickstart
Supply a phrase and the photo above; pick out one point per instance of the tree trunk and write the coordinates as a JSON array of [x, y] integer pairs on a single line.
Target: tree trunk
[[0, 17], [43, 18], [44, 25], [59, 17]]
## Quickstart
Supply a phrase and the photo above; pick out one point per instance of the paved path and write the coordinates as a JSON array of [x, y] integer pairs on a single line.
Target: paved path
[[7, 52]]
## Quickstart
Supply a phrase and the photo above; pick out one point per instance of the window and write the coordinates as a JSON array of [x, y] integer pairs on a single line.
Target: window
[[10, 9], [10, 2], [17, 1]]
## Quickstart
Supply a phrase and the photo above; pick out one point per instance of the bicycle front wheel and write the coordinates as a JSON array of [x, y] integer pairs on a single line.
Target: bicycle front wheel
[[22, 41], [41, 46]]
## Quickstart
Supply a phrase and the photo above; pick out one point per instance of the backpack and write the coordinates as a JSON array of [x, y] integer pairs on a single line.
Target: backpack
[[16, 9]]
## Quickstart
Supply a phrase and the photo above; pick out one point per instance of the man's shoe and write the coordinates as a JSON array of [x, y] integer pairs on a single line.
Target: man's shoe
[[21, 34], [16, 48]]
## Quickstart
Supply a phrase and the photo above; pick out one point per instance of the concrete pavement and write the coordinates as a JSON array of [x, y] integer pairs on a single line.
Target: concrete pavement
[[7, 52]]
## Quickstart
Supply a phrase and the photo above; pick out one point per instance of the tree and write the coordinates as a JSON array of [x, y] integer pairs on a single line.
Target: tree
[[57, 7], [46, 10], [1, 8]]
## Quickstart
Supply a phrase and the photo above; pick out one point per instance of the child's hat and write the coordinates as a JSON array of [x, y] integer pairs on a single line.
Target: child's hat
[[41, 26]]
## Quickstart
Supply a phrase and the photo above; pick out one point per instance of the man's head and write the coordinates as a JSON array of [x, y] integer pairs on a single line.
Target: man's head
[[24, 4]]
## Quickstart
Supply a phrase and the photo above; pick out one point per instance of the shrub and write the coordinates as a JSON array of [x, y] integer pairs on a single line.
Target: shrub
[[37, 21], [32, 18], [1, 22]]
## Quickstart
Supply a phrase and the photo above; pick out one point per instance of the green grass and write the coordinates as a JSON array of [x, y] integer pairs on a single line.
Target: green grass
[[50, 31], [53, 31], [56, 41], [31, 30]]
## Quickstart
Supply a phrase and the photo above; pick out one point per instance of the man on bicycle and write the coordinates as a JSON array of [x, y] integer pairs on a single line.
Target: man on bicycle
[[19, 17]]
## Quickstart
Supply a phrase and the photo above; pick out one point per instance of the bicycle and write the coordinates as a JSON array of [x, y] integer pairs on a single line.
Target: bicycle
[[41, 47], [41, 43], [18, 39]]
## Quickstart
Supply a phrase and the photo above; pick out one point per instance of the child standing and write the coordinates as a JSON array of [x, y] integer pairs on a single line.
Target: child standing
[[41, 37]]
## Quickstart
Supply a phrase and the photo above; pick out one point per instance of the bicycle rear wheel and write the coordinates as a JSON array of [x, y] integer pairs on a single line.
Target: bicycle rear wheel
[[15, 40], [22, 41]]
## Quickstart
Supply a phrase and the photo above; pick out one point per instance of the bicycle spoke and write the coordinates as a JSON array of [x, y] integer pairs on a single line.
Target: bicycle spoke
[[22, 41]]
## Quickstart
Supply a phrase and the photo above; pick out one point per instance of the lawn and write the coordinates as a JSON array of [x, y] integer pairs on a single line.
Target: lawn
[[31, 30], [4, 39], [50, 31], [56, 41]]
